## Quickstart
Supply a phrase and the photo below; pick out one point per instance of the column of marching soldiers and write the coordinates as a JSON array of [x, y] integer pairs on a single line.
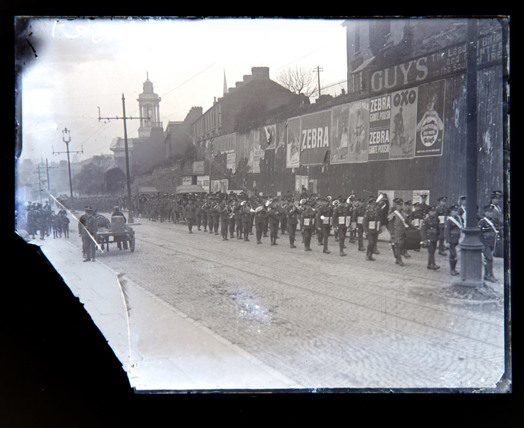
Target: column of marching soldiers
[[410, 225]]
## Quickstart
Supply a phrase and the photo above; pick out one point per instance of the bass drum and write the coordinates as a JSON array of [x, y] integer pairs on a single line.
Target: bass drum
[[413, 239]]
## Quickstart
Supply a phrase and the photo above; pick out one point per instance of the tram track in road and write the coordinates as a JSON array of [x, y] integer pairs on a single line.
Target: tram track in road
[[439, 319]]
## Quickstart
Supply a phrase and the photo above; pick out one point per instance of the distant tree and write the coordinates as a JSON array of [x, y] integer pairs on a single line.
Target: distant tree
[[298, 80], [115, 180]]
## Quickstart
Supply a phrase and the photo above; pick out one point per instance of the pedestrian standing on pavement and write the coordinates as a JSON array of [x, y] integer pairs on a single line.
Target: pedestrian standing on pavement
[[430, 235], [371, 226], [87, 228], [397, 226], [454, 226]]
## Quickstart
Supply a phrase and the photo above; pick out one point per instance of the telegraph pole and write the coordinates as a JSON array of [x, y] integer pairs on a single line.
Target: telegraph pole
[[317, 70], [66, 138], [128, 175]]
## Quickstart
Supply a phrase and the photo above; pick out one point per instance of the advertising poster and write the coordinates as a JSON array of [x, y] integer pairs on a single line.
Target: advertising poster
[[231, 160], [430, 125], [403, 124], [268, 137], [314, 138], [257, 152], [340, 134], [358, 131], [293, 143], [379, 127]]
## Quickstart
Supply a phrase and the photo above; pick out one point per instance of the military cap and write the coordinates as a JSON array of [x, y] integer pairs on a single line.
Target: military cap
[[496, 194], [454, 207], [424, 195], [432, 208], [371, 199], [442, 198], [463, 197], [398, 201]]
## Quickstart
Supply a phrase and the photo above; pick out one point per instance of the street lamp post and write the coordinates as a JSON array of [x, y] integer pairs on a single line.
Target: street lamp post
[[471, 246]]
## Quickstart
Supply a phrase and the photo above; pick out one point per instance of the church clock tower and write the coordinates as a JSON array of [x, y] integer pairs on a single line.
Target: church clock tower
[[148, 104]]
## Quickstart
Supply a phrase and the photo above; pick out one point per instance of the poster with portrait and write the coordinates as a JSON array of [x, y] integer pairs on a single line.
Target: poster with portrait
[[379, 127], [340, 134], [358, 131], [403, 123], [293, 143], [430, 119], [268, 137]]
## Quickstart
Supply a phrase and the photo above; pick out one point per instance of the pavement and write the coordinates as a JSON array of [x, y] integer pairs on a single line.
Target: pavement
[[165, 350]]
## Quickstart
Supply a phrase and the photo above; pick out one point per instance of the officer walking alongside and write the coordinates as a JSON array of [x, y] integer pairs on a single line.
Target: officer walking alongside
[[371, 226], [442, 213], [490, 227], [397, 229], [454, 226], [430, 235]]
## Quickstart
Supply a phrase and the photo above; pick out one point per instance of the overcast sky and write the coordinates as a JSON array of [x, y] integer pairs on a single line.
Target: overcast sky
[[82, 64]]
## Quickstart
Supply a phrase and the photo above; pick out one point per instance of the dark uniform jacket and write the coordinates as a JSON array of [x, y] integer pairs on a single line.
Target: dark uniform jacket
[[371, 221], [454, 227], [429, 230], [293, 214], [308, 218], [490, 228], [341, 216]]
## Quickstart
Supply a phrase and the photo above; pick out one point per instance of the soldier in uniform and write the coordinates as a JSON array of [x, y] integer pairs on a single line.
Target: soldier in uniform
[[442, 213], [283, 216], [454, 226], [65, 223], [340, 223], [190, 213], [371, 226], [397, 229], [307, 223], [462, 209], [293, 213], [260, 221], [356, 219], [273, 216], [326, 212], [246, 218], [424, 207], [430, 235], [203, 213], [215, 213], [224, 220], [490, 227], [198, 212]]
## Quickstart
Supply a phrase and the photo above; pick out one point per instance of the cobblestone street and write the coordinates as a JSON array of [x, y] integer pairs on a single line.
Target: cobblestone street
[[322, 320]]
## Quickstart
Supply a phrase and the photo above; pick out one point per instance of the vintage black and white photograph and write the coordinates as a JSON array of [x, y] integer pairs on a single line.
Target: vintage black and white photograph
[[275, 204]]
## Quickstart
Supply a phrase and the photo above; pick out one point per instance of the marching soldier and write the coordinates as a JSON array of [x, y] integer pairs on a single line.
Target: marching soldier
[[198, 212], [190, 214], [203, 214], [352, 230], [215, 213], [430, 235], [307, 223], [224, 220], [283, 216], [454, 226], [231, 220], [340, 222], [356, 220], [371, 226], [397, 229], [273, 216], [293, 213], [490, 227], [246, 218], [442, 213], [326, 212], [260, 221]]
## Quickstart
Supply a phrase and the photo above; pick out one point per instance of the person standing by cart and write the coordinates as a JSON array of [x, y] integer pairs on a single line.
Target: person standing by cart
[[87, 228]]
